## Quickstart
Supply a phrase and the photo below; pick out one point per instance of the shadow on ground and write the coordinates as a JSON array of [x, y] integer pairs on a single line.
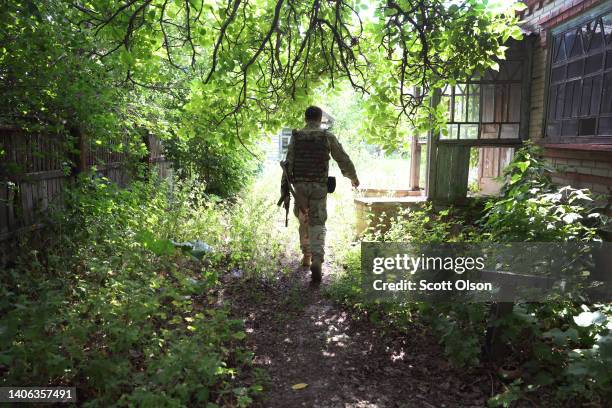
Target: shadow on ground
[[299, 336]]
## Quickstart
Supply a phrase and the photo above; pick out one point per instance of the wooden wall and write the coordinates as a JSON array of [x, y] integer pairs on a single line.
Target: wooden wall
[[35, 169], [450, 179]]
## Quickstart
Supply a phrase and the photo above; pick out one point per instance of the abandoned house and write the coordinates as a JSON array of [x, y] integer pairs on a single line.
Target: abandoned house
[[571, 89], [554, 87]]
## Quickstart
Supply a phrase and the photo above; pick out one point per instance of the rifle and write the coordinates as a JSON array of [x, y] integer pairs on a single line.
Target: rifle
[[286, 192]]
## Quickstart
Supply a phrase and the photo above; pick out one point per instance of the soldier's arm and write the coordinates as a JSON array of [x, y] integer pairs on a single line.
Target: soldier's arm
[[344, 161]]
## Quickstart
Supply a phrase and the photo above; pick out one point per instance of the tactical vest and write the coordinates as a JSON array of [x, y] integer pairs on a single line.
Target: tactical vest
[[311, 158]]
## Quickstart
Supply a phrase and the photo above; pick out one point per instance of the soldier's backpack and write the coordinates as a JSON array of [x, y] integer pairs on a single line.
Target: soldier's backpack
[[311, 160]]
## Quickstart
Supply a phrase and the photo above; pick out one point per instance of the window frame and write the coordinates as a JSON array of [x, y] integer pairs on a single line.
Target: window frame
[[524, 51], [573, 24]]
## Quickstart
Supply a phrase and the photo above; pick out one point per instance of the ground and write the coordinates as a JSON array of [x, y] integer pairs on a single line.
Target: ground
[[300, 336]]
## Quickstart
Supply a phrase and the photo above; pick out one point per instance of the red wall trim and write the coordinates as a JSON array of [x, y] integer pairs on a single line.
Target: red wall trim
[[596, 153], [567, 13], [584, 178], [547, 20]]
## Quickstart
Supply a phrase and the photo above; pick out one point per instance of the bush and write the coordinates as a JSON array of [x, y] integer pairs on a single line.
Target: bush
[[112, 307], [459, 327], [531, 208], [225, 171], [557, 343], [564, 343]]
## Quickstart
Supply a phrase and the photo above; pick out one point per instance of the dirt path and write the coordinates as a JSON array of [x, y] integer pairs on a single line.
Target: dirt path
[[300, 336]]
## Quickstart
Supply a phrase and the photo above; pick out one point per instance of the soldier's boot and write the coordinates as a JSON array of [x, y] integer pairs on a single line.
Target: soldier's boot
[[316, 235], [306, 260], [315, 269]]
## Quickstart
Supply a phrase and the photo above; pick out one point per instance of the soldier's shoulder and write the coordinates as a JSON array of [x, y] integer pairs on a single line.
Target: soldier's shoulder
[[310, 131], [330, 135], [302, 131]]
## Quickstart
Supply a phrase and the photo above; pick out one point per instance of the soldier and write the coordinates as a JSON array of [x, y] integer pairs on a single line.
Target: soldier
[[307, 164]]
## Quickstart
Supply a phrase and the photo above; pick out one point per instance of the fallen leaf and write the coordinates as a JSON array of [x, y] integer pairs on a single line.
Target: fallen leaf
[[299, 386]]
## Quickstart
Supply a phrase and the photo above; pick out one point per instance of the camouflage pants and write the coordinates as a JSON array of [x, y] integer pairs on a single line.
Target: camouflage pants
[[311, 210]]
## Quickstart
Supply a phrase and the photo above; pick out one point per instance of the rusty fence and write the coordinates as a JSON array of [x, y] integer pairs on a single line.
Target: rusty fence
[[35, 169]]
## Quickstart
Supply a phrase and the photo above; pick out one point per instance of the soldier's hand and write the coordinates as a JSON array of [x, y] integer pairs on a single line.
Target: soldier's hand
[[355, 182]]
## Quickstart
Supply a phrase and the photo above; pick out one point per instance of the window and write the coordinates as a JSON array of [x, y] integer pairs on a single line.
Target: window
[[580, 87], [488, 106]]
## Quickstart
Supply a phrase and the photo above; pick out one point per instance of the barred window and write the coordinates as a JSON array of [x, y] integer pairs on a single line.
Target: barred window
[[580, 87], [487, 106]]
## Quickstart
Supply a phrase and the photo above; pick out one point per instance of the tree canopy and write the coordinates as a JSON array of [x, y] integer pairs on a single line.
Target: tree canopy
[[231, 70]]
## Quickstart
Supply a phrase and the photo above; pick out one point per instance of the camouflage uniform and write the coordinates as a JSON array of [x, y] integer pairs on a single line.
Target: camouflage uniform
[[308, 168]]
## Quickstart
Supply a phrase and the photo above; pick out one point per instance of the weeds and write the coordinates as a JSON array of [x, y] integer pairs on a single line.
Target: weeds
[[562, 344], [112, 307]]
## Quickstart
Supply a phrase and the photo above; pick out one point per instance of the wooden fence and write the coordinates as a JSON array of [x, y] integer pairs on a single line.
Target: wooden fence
[[35, 168]]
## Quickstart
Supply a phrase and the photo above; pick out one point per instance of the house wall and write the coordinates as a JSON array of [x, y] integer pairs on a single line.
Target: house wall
[[271, 148], [541, 15], [590, 169], [538, 79], [580, 165]]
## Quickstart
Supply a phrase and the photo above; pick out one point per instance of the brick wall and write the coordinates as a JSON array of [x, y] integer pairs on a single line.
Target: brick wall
[[541, 15], [538, 78], [581, 166], [596, 176], [590, 169], [577, 169]]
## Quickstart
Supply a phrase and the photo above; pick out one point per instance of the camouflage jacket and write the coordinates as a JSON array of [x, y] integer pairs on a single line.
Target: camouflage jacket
[[337, 152]]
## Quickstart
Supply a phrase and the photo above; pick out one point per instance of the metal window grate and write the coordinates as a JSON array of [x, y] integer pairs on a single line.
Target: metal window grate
[[580, 89], [488, 106]]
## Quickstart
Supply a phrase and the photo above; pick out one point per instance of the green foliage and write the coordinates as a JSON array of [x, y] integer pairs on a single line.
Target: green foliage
[[562, 345], [345, 286], [533, 209], [54, 80], [110, 306], [415, 50], [511, 394], [423, 225], [460, 327], [559, 340], [223, 170], [233, 70]]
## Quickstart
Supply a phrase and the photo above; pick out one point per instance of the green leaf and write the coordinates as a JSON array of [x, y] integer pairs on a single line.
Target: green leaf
[[239, 335], [516, 33], [586, 319], [543, 378], [571, 217], [157, 246], [559, 337], [523, 165]]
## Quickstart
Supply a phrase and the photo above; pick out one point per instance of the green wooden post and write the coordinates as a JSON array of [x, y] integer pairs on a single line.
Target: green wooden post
[[432, 147]]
